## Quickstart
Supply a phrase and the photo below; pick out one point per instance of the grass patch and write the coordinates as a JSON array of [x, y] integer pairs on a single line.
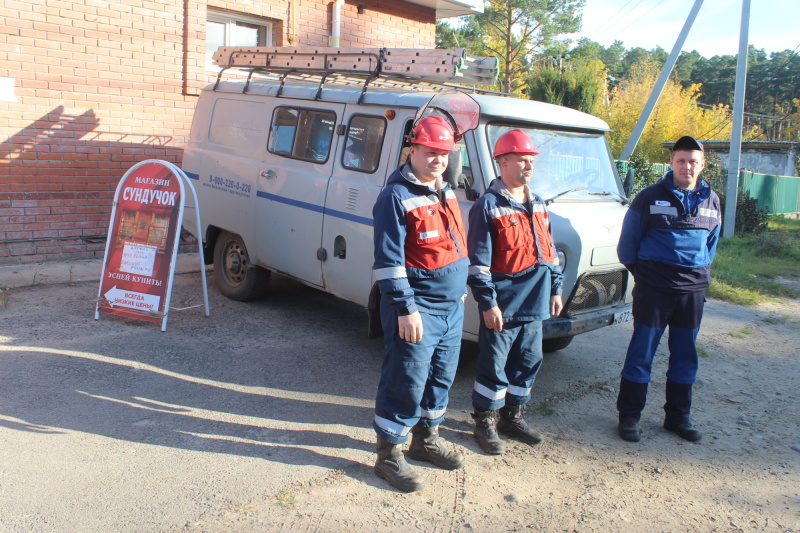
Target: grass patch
[[702, 352], [746, 269], [285, 498], [741, 334], [545, 410]]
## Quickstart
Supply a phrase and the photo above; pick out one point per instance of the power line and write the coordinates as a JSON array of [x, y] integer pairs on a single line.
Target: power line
[[602, 26], [638, 19]]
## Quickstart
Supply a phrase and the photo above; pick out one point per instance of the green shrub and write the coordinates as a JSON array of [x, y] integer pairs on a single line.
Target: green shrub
[[750, 220]]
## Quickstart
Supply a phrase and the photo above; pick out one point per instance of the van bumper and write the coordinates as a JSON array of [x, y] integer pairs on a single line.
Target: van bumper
[[571, 326]]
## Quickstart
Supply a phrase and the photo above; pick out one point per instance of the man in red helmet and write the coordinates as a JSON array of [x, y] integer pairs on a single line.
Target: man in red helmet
[[514, 278], [421, 267]]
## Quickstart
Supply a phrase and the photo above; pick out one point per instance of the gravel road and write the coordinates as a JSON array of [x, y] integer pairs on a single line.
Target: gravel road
[[257, 418]]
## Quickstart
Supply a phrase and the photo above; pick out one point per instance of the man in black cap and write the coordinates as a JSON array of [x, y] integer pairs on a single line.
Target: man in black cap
[[668, 242]]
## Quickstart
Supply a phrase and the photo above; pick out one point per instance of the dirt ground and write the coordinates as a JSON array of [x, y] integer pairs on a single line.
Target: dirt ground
[[257, 418]]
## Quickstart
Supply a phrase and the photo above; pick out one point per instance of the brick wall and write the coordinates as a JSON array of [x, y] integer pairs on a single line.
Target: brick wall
[[100, 86]]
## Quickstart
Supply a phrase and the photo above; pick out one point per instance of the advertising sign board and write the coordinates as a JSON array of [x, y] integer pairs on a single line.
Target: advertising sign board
[[142, 243]]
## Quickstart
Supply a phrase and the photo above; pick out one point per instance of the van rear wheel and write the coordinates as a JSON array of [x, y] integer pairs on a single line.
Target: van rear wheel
[[235, 276], [553, 345]]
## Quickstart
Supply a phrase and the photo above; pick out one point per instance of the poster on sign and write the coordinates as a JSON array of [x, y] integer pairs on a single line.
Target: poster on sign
[[142, 243]]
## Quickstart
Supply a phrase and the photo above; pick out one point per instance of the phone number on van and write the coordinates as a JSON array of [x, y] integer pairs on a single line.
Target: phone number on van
[[231, 186]]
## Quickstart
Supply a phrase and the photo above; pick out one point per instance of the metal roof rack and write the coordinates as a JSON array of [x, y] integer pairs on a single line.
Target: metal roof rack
[[406, 68]]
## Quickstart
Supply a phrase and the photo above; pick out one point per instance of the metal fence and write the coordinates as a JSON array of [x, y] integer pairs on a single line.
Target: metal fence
[[779, 194]]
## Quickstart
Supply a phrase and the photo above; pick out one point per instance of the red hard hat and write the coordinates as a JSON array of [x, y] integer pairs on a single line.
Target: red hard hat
[[434, 132], [514, 141]]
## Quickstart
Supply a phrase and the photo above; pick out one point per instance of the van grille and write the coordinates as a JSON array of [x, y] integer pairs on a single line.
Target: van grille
[[598, 290]]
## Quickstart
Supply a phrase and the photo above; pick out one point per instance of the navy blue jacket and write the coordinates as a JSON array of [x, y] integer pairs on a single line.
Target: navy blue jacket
[[420, 245], [512, 255], [669, 236]]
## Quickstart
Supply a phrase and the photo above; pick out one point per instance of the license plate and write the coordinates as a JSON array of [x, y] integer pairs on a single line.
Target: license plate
[[622, 317]]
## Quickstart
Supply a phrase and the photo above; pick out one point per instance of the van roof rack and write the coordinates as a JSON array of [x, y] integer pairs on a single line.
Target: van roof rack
[[406, 68]]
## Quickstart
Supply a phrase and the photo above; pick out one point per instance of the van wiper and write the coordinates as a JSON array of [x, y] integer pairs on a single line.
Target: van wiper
[[559, 195], [621, 199]]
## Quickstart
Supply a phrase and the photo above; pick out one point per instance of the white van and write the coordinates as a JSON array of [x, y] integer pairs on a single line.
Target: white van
[[287, 174]]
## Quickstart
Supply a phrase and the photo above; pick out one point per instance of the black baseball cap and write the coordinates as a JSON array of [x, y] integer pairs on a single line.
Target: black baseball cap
[[687, 143]]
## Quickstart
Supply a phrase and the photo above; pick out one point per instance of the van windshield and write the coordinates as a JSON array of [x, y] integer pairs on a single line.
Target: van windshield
[[569, 166]]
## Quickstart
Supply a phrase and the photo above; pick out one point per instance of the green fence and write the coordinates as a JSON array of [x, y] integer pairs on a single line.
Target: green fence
[[779, 194]]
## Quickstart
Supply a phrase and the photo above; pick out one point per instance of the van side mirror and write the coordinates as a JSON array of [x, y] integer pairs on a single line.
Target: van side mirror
[[627, 185], [471, 194]]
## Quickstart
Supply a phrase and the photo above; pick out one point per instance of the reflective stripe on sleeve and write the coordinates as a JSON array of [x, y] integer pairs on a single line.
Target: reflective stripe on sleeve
[[390, 273]]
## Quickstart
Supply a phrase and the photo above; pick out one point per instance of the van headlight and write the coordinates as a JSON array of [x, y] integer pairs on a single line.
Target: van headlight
[[562, 260]]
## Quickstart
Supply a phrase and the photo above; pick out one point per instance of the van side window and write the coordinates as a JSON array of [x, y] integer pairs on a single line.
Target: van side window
[[362, 148], [302, 133]]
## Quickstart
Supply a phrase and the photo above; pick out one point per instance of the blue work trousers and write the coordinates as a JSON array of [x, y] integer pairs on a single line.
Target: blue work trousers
[[653, 311], [507, 365], [416, 377]]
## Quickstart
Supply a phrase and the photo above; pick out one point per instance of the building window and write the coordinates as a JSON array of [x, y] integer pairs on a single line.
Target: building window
[[227, 29]]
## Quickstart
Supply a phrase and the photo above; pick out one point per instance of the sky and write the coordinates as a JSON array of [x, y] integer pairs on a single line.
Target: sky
[[649, 23]]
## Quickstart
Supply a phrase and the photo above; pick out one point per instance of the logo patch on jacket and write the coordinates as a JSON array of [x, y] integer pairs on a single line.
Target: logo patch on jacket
[[662, 202], [429, 234]]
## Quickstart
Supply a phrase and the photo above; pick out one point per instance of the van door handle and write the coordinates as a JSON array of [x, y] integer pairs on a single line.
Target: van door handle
[[269, 174]]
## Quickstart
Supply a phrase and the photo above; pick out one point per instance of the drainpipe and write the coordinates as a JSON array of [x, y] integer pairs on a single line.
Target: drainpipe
[[336, 22]]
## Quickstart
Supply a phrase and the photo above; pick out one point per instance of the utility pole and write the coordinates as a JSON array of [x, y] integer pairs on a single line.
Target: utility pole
[[633, 140], [732, 189]]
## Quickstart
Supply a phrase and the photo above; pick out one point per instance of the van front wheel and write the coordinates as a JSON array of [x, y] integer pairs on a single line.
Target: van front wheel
[[553, 345], [235, 276]]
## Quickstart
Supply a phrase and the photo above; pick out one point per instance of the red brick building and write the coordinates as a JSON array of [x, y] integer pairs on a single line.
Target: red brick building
[[88, 88]]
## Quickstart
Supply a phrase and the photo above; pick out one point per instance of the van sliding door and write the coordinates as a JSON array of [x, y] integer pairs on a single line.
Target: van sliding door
[[292, 183]]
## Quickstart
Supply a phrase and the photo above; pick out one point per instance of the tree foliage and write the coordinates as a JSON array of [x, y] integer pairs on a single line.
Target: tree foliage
[[512, 30], [676, 114], [579, 85], [772, 95]]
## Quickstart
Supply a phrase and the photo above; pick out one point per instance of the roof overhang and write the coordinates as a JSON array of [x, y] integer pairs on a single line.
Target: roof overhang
[[451, 8]]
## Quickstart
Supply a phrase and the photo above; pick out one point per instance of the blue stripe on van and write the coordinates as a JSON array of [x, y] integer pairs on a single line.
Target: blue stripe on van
[[289, 201], [348, 216], [304, 205], [316, 208]]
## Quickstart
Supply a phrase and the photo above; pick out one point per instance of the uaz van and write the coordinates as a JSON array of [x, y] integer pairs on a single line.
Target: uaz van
[[287, 174]]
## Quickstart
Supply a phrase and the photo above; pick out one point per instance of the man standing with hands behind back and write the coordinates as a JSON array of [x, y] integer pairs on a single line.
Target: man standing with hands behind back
[[669, 237], [421, 267], [514, 278]]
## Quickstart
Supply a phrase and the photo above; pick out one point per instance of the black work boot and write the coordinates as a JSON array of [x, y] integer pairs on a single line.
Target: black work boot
[[629, 429], [426, 445], [677, 410], [630, 403], [486, 432], [512, 424], [392, 466]]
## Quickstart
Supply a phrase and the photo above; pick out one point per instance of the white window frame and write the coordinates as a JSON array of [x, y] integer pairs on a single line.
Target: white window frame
[[229, 20]]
